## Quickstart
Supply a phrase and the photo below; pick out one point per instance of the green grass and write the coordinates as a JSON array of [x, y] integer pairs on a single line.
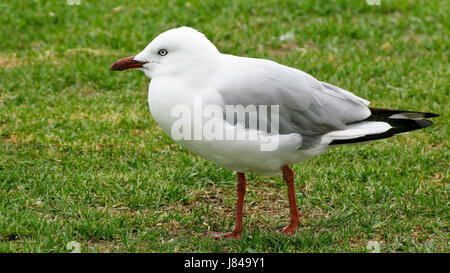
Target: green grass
[[81, 159]]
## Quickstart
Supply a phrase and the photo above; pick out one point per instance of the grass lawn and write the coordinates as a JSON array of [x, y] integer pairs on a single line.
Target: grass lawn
[[81, 158]]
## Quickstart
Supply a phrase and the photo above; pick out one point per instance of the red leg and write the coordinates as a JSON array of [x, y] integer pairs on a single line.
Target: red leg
[[288, 175], [238, 228]]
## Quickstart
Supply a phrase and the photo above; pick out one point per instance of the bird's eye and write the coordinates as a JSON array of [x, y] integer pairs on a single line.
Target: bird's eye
[[162, 52]]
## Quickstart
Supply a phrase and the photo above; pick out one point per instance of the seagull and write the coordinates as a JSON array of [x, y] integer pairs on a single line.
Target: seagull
[[286, 115]]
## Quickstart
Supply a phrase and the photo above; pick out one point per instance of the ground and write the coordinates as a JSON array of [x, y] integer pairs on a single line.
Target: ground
[[82, 159]]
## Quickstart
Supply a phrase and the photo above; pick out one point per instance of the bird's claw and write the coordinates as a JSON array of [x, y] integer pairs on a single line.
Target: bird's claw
[[289, 230], [230, 235]]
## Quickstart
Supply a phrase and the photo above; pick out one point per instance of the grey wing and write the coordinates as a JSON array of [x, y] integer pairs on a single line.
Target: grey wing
[[306, 106]]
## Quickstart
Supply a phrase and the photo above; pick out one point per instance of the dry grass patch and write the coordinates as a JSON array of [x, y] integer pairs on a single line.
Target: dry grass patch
[[10, 61]]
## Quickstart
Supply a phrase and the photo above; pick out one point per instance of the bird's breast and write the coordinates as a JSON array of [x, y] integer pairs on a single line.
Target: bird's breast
[[179, 99], [162, 99]]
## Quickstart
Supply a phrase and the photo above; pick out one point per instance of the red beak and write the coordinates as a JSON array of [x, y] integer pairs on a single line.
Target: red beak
[[126, 63]]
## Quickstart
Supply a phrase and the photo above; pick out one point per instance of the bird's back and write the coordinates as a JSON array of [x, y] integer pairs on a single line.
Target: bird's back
[[306, 105]]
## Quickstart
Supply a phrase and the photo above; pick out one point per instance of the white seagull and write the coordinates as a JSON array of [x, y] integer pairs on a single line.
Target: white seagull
[[307, 116]]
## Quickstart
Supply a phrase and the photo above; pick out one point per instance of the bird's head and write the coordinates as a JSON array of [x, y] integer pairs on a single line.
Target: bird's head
[[172, 52]]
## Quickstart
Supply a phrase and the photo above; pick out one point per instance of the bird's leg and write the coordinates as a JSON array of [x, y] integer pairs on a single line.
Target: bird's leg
[[288, 175], [238, 228]]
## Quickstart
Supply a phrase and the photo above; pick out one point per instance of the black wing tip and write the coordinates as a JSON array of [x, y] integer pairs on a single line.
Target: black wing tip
[[431, 115], [399, 125], [384, 112], [423, 123]]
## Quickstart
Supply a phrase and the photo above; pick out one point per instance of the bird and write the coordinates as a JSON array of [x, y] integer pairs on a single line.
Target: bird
[[253, 115]]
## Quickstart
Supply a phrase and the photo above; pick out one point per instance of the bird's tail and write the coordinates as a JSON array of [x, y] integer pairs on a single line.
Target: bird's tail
[[383, 123]]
